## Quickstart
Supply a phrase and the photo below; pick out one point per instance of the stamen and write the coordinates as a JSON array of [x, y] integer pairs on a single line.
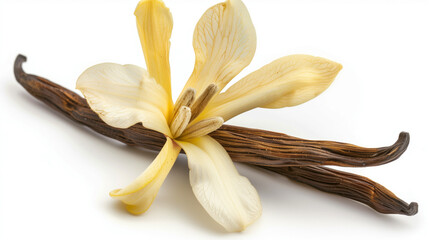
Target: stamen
[[181, 121], [202, 128], [186, 99], [198, 106]]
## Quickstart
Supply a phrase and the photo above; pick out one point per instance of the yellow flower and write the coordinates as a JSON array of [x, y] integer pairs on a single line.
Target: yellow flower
[[224, 42]]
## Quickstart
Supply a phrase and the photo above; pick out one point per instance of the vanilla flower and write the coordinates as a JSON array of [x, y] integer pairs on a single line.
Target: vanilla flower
[[224, 43]]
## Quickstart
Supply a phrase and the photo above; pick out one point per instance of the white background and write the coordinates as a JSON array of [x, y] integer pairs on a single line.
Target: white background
[[55, 175]]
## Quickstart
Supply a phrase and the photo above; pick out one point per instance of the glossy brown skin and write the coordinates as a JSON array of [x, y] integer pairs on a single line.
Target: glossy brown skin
[[300, 160]]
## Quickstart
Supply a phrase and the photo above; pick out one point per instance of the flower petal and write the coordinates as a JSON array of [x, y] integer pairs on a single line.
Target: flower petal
[[139, 195], [154, 24], [123, 95], [227, 196], [224, 44], [285, 82]]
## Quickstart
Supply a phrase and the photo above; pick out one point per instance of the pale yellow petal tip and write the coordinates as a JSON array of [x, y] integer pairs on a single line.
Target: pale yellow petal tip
[[135, 210], [338, 67], [115, 193], [142, 3], [149, 1], [244, 225], [240, 227], [329, 68]]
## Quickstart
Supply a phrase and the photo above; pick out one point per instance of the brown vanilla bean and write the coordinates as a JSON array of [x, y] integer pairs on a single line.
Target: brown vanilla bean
[[349, 185], [271, 149], [274, 151]]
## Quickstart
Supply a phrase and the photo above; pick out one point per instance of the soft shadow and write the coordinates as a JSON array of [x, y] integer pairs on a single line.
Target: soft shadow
[[118, 208]]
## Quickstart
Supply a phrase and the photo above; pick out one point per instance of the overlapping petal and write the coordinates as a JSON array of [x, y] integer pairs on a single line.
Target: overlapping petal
[[224, 44], [228, 197], [154, 24], [139, 195], [123, 95], [285, 82]]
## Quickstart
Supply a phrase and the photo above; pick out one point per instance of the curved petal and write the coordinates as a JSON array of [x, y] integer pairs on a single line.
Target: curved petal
[[228, 197], [123, 95], [285, 82], [154, 24], [224, 44], [139, 195]]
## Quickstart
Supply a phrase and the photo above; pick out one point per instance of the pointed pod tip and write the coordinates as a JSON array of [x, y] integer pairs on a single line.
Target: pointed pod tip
[[17, 68], [21, 58], [404, 137], [412, 209], [402, 142], [18, 62]]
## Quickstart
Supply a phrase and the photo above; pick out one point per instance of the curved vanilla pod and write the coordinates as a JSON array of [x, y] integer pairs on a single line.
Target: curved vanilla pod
[[351, 186], [271, 149]]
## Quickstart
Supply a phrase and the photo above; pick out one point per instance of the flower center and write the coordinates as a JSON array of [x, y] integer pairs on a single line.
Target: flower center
[[187, 109]]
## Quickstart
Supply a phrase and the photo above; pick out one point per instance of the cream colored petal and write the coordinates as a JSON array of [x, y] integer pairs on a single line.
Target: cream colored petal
[[285, 82], [123, 95], [224, 44], [154, 24], [228, 197], [139, 195]]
